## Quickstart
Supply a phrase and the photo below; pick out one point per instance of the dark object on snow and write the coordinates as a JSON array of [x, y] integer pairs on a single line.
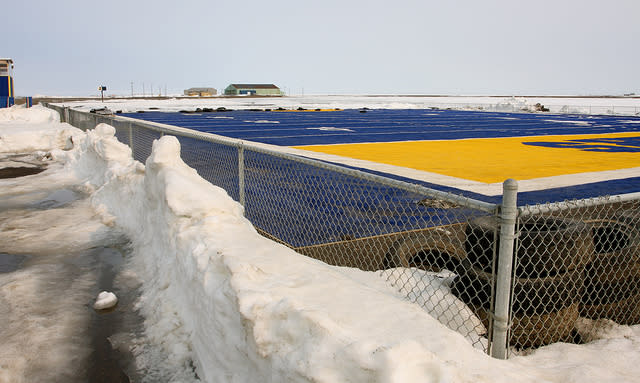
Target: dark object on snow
[[104, 111], [540, 108]]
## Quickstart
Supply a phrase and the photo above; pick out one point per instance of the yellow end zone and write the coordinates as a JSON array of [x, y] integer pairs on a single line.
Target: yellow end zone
[[492, 160]]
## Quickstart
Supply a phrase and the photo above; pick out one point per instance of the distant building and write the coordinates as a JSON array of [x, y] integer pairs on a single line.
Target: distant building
[[253, 89], [6, 83], [202, 92]]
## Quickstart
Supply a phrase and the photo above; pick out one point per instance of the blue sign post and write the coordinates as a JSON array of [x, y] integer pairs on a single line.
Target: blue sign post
[[6, 102]]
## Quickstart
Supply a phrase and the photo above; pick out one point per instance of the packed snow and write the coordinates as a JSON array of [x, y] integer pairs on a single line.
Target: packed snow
[[237, 307], [105, 300]]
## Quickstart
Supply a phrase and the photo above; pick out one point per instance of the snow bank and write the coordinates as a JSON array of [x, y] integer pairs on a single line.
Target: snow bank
[[29, 130], [613, 356], [36, 115], [436, 298]]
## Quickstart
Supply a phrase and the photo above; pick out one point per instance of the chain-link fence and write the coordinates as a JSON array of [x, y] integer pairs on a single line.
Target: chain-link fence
[[557, 262], [578, 259]]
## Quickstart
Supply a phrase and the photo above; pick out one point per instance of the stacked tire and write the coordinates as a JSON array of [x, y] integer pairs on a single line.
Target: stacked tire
[[551, 255], [431, 250], [612, 278]]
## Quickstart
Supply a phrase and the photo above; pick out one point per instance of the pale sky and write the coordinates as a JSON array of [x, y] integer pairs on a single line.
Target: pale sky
[[464, 47]]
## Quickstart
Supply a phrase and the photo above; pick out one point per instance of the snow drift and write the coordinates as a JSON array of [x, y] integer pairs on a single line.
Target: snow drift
[[29, 132]]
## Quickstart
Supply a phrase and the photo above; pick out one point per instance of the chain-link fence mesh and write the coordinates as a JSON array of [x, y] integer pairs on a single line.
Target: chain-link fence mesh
[[575, 260], [569, 260]]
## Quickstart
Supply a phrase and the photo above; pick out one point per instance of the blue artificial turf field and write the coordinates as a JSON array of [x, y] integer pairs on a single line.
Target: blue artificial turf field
[[390, 125], [303, 205], [386, 125]]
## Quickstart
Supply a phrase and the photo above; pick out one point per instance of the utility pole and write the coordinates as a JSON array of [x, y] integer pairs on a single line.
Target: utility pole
[[131, 89], [143, 94]]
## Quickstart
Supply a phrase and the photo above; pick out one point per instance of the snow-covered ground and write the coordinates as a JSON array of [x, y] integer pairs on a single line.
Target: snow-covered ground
[[595, 105], [218, 297]]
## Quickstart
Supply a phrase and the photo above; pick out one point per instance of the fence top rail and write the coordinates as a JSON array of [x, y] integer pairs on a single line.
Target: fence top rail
[[573, 204], [278, 152]]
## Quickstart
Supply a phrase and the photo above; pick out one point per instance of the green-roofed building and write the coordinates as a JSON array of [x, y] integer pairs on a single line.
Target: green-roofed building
[[253, 90]]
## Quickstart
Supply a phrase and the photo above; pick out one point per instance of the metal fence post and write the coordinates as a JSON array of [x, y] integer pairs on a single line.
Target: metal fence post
[[241, 173], [508, 216], [131, 140]]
